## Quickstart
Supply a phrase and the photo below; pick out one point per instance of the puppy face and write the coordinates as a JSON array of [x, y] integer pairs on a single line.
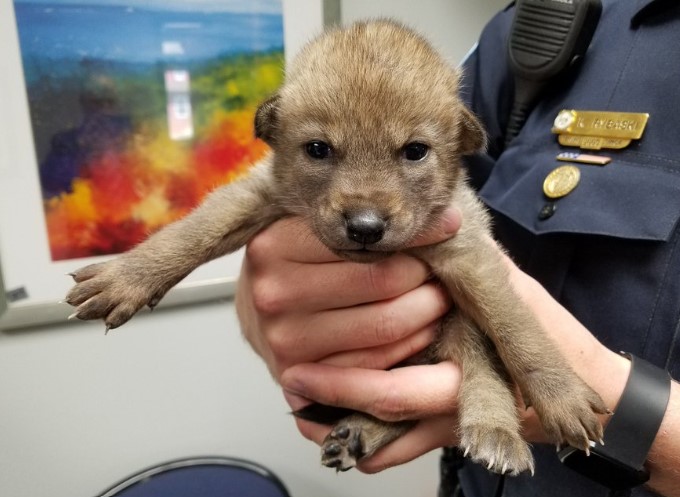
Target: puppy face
[[367, 134]]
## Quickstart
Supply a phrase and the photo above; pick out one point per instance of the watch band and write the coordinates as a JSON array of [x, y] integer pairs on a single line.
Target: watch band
[[638, 415], [619, 462]]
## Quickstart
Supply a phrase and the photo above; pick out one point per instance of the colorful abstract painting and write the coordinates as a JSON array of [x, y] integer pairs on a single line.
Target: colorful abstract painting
[[141, 107]]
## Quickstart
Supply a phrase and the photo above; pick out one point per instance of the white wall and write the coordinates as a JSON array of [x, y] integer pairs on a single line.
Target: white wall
[[451, 25], [80, 410]]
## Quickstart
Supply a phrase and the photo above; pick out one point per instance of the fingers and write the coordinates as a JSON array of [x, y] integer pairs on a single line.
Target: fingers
[[385, 356], [427, 435], [386, 328], [299, 288], [415, 392]]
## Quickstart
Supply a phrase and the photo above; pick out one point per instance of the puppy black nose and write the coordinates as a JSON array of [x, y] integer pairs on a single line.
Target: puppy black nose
[[365, 227]]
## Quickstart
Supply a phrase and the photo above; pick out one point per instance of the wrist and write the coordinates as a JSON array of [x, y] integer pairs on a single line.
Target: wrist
[[603, 370], [609, 379], [619, 461]]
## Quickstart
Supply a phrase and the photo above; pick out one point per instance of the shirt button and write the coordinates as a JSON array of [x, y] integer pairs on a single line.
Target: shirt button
[[547, 211]]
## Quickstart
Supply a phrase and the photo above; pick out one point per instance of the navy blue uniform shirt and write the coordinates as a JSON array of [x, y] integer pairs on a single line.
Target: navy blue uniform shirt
[[610, 252]]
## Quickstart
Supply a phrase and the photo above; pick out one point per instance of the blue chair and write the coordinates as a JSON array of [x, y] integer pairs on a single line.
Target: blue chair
[[201, 477]]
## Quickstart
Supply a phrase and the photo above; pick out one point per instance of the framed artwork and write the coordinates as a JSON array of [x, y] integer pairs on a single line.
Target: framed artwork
[[118, 117]]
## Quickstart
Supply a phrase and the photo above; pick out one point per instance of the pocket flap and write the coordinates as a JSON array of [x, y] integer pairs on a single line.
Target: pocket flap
[[622, 199]]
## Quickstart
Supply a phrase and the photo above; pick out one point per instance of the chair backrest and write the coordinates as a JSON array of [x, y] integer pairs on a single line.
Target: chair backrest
[[201, 477]]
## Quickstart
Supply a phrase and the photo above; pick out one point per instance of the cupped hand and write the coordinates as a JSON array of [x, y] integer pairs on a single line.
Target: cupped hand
[[429, 393], [299, 303], [328, 329]]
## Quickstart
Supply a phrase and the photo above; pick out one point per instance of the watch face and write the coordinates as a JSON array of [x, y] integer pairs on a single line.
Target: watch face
[[603, 469]]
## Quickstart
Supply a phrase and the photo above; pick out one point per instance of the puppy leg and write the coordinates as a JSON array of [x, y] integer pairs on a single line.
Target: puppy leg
[[478, 281], [229, 217], [477, 278], [355, 434], [488, 424]]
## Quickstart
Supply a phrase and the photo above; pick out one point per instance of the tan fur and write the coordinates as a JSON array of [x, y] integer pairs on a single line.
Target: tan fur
[[368, 91]]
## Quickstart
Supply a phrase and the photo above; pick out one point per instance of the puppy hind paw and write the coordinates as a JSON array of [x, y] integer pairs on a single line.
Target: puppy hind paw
[[342, 448]]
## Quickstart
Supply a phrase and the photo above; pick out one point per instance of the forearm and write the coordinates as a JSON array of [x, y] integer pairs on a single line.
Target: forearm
[[664, 458], [607, 372]]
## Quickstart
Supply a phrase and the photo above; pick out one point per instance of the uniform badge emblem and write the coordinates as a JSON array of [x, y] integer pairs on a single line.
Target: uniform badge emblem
[[561, 181]]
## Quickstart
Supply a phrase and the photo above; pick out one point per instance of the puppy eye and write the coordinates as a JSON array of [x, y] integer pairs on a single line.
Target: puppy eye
[[415, 151], [318, 150]]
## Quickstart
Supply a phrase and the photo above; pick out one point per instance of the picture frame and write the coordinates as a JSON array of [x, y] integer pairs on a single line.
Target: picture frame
[[32, 284]]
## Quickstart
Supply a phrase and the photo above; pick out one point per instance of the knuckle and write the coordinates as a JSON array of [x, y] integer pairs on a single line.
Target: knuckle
[[261, 248], [386, 327], [384, 278], [396, 275], [268, 297], [280, 343], [392, 406]]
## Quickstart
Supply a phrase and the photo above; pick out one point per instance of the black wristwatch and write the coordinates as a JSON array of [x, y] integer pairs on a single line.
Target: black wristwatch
[[619, 464]]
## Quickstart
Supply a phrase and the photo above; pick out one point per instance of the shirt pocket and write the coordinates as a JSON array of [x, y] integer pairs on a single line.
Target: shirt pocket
[[620, 229], [624, 199]]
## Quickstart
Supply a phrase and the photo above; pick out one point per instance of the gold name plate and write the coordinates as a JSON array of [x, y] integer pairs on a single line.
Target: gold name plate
[[613, 125]]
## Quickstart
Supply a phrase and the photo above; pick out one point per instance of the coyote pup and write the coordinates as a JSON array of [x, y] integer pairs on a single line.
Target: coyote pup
[[367, 134]]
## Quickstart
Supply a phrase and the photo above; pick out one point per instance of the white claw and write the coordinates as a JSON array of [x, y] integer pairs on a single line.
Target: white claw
[[467, 451], [73, 316], [505, 468], [493, 460]]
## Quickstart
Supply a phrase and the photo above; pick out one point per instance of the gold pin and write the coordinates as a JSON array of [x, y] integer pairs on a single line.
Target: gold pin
[[561, 181], [563, 121]]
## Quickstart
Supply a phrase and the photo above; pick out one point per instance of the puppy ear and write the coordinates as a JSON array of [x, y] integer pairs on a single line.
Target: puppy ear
[[266, 119], [472, 135]]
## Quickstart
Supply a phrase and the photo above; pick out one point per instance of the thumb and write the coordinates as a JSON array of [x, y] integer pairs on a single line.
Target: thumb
[[447, 225], [413, 392]]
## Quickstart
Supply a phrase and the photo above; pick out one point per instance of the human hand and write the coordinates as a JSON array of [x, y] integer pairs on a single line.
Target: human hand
[[298, 302], [429, 393], [328, 329]]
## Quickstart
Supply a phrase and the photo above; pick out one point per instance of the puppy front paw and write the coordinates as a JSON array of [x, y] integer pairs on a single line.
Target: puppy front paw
[[113, 291], [498, 449], [567, 408]]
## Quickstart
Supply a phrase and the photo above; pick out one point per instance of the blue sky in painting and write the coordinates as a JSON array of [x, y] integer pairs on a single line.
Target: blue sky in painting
[[138, 31], [236, 6]]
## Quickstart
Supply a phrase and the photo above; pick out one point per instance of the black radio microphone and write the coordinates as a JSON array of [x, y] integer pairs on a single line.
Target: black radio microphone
[[546, 38]]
